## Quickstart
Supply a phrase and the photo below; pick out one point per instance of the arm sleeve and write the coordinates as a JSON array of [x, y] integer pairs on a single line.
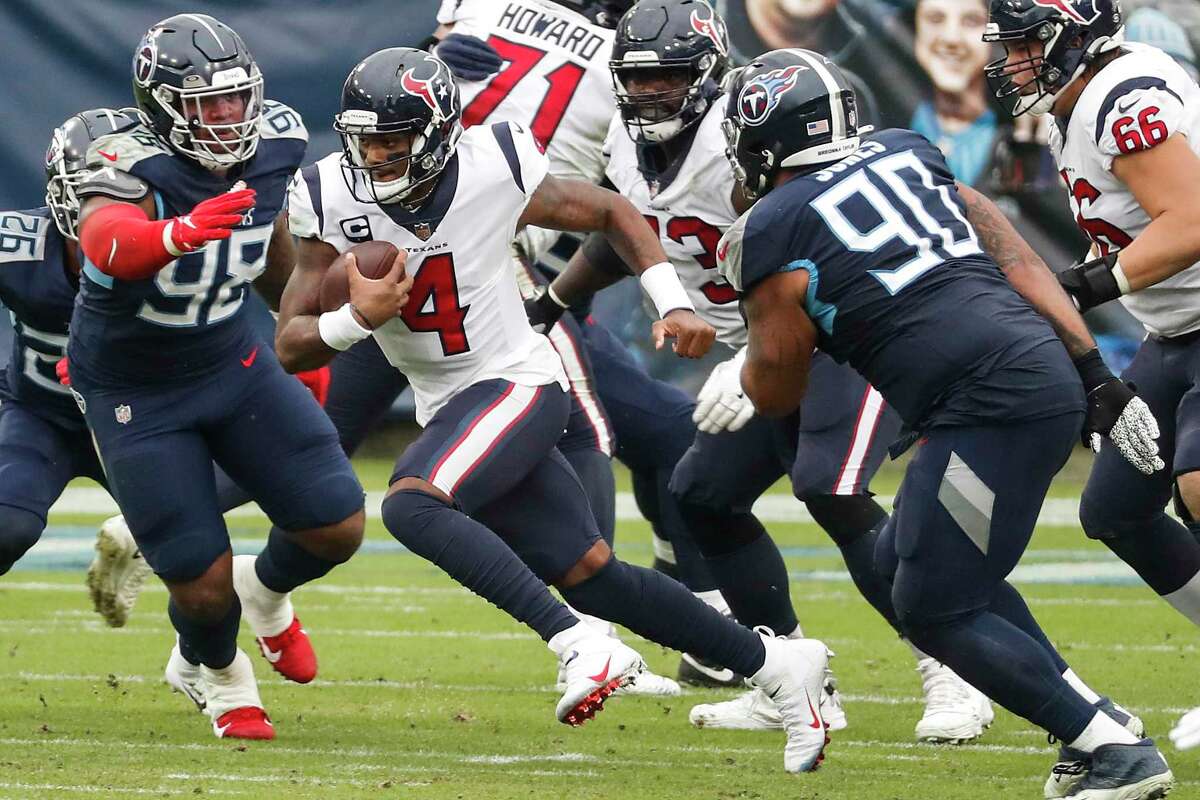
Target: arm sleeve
[[1137, 114]]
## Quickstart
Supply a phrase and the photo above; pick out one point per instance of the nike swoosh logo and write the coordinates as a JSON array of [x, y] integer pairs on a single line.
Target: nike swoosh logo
[[1123, 108], [723, 251], [271, 655], [249, 360], [724, 675], [816, 723], [109, 156], [602, 675]]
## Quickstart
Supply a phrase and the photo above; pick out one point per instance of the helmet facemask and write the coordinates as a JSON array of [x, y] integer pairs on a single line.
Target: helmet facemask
[[215, 145], [659, 116], [60, 189], [428, 151]]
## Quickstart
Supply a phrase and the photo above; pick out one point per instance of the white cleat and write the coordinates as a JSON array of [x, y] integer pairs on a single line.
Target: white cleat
[[645, 683], [117, 572], [953, 710], [793, 677], [594, 667], [233, 701], [183, 676], [1186, 733], [749, 711]]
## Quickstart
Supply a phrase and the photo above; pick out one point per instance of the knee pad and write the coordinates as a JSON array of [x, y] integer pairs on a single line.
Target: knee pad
[[845, 517], [1102, 520], [719, 532], [886, 560], [19, 531], [408, 512]]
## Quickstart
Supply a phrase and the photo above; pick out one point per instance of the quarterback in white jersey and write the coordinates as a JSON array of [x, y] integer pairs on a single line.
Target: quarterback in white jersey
[[1126, 139], [483, 492], [667, 155]]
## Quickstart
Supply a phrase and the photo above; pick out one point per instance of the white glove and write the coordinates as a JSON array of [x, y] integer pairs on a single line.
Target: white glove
[[722, 405], [1186, 733], [1134, 435]]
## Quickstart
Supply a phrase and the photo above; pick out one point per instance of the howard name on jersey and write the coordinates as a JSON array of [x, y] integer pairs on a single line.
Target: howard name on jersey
[[464, 321], [39, 294], [900, 289], [185, 320], [1135, 102], [555, 83], [690, 208]]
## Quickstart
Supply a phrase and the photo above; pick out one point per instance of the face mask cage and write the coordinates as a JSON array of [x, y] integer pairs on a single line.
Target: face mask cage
[[747, 169], [662, 115], [217, 145], [1010, 80], [63, 201], [424, 163]]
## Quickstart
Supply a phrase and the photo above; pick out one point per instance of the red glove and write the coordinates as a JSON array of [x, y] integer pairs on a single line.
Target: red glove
[[123, 242], [317, 381], [60, 369]]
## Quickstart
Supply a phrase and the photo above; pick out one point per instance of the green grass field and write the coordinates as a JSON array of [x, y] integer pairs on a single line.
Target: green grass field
[[427, 692]]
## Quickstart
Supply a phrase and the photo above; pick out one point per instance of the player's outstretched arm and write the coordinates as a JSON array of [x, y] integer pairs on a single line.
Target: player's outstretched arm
[[567, 205], [782, 340], [281, 260], [1026, 271], [306, 338], [1164, 179]]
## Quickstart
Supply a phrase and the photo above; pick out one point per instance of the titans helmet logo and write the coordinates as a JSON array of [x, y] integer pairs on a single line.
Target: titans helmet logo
[[710, 28], [146, 59], [762, 94], [433, 90], [1076, 11]]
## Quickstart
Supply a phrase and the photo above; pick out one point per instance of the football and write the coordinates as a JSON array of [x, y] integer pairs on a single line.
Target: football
[[374, 260]]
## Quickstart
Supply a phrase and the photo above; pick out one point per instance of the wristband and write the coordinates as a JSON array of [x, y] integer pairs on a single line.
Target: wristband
[[1092, 369], [662, 285], [555, 298], [1119, 276], [339, 329]]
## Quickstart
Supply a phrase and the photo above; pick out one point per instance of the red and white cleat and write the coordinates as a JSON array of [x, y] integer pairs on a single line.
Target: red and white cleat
[[233, 702], [246, 722], [594, 667], [290, 653], [283, 642]]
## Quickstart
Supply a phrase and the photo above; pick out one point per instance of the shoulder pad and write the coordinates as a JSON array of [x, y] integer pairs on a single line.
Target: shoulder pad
[[729, 253], [23, 235], [111, 182], [282, 122], [123, 149]]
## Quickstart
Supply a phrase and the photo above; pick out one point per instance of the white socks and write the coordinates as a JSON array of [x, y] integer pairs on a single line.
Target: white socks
[[1102, 730], [1080, 687], [268, 612], [565, 641]]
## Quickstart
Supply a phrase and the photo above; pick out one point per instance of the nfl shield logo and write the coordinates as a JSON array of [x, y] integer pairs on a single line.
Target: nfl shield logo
[[422, 231], [124, 413]]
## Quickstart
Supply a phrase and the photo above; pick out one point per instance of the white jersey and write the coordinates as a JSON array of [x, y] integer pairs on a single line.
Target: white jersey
[[464, 322], [1134, 102], [690, 214], [556, 83]]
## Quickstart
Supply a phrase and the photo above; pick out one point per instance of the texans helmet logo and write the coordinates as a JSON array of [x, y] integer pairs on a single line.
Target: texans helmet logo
[[710, 28], [432, 90], [1074, 10], [761, 95]]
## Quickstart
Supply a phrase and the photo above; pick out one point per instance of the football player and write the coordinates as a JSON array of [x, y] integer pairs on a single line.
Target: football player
[[43, 438], [178, 215], [666, 154], [1126, 143], [867, 248], [548, 70], [483, 492]]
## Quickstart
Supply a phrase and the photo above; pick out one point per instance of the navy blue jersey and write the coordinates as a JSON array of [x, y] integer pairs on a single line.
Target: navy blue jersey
[[187, 319], [39, 292], [901, 290]]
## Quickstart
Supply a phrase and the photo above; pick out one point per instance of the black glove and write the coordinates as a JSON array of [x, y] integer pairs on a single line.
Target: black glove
[[1091, 283], [543, 312], [1116, 413], [468, 57]]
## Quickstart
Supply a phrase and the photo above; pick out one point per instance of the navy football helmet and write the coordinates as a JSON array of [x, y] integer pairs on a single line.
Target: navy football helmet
[[398, 91], [66, 160], [658, 37], [1071, 33], [184, 63], [788, 109]]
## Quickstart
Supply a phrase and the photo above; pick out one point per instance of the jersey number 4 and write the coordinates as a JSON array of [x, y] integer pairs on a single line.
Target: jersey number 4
[[521, 59], [436, 287]]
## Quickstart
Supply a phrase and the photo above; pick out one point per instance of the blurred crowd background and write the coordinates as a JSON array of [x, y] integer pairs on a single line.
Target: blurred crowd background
[[916, 63]]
